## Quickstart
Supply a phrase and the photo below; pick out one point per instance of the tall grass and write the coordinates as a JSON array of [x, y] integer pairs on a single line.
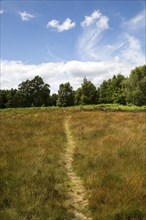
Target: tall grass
[[33, 181], [110, 158], [114, 107]]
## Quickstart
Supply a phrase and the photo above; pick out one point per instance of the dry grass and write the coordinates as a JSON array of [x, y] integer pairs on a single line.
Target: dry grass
[[33, 180], [110, 158]]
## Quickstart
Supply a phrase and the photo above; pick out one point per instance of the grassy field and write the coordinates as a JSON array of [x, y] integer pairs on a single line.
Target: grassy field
[[109, 157], [113, 107], [33, 181]]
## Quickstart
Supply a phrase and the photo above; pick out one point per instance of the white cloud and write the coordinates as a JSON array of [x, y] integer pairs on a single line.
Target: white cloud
[[132, 51], [91, 19], [53, 23], [101, 58], [93, 29], [25, 16], [2, 11], [96, 18], [94, 43], [14, 72], [126, 47], [103, 23], [135, 23], [66, 25]]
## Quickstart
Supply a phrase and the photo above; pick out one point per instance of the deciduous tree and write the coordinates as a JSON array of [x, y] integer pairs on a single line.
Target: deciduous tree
[[34, 92], [135, 86], [65, 95]]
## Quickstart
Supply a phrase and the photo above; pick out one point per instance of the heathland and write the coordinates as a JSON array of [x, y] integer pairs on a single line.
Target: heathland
[[44, 151]]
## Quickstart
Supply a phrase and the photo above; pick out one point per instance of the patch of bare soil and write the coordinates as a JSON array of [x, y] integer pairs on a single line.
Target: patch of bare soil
[[77, 194]]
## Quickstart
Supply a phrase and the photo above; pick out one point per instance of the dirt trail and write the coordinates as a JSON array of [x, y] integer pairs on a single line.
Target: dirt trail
[[77, 194]]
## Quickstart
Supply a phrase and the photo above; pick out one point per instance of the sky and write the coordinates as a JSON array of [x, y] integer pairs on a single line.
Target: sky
[[65, 41]]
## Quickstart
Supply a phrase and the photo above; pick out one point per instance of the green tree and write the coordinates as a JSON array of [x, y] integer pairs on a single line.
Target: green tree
[[78, 95], [12, 99], [112, 90], [25, 93], [34, 92], [103, 92], [87, 94], [3, 98], [116, 89], [65, 95], [135, 86], [53, 98], [41, 92]]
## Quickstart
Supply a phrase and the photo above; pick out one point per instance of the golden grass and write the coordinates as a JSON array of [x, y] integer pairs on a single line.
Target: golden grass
[[33, 179], [110, 158]]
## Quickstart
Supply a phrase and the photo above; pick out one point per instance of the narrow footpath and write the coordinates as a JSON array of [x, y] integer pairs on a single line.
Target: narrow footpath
[[77, 193]]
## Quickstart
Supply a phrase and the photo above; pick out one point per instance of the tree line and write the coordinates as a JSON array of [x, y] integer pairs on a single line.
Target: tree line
[[118, 89]]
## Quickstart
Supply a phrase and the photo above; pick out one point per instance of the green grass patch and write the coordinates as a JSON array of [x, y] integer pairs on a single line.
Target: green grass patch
[[113, 107]]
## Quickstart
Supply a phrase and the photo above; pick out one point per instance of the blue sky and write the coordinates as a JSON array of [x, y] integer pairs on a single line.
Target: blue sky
[[67, 40]]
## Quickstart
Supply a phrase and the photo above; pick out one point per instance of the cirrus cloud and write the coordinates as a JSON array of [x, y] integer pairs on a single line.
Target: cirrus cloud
[[94, 44], [136, 22], [94, 26]]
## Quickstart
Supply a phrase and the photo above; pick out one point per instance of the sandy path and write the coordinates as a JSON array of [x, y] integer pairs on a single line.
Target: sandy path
[[77, 194]]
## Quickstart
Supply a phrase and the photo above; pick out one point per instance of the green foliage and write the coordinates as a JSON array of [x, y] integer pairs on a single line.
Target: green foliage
[[65, 95], [116, 107], [117, 90], [13, 98], [9, 98], [135, 86], [112, 91], [3, 98], [103, 92], [78, 95], [53, 99], [86, 94], [34, 92]]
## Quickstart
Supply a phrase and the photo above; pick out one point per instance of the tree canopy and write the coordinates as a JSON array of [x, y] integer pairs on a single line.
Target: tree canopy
[[65, 95], [135, 86], [34, 92], [112, 90], [118, 89]]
